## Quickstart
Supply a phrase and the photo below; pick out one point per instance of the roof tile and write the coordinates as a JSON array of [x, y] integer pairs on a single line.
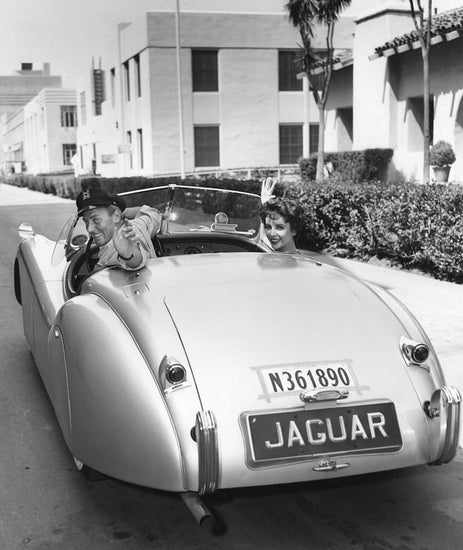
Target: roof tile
[[446, 24]]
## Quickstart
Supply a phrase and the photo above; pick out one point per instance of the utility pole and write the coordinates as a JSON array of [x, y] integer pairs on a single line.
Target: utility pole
[[179, 89], [120, 27]]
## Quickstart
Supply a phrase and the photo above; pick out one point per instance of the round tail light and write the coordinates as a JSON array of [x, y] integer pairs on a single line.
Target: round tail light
[[420, 353], [414, 352], [175, 374]]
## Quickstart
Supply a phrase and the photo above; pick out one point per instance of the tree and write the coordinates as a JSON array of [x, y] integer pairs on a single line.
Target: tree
[[423, 29], [304, 15]]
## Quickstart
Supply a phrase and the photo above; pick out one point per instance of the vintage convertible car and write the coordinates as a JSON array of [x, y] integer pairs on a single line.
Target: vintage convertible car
[[222, 364]]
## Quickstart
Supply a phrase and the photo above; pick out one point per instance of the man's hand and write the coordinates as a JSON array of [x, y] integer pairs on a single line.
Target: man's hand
[[266, 191], [125, 242]]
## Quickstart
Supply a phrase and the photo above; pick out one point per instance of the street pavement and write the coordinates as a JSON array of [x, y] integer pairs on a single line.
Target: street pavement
[[11, 195], [437, 304]]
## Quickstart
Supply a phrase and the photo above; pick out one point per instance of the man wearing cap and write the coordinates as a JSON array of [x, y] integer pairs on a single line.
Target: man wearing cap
[[121, 242]]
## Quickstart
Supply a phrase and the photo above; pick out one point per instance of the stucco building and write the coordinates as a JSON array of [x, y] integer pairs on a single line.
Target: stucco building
[[383, 89], [50, 121], [242, 105], [17, 90]]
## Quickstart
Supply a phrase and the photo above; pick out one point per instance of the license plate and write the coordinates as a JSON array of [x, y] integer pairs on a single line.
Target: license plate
[[310, 433], [312, 377], [291, 379]]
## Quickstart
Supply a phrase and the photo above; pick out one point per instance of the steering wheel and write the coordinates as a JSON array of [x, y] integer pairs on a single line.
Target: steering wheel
[[90, 259]]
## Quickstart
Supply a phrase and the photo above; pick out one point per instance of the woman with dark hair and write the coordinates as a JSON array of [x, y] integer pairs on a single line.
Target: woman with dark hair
[[279, 219]]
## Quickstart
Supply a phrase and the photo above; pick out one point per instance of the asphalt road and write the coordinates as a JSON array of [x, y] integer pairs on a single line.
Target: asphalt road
[[46, 504]]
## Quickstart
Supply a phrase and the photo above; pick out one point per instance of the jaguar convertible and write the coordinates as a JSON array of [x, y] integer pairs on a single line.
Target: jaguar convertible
[[222, 364]]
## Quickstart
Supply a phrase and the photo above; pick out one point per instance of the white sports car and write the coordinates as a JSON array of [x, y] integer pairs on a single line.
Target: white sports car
[[222, 364]]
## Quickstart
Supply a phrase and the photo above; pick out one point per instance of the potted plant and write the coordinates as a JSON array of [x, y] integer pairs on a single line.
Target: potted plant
[[441, 157]]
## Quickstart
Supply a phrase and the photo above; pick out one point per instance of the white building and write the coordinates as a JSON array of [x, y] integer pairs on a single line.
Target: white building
[[50, 121], [242, 105], [381, 94], [17, 90]]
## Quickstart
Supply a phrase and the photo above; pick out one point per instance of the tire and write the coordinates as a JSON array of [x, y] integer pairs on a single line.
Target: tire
[[17, 282]]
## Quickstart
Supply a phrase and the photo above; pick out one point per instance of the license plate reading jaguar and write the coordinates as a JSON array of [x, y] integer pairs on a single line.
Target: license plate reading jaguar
[[311, 433]]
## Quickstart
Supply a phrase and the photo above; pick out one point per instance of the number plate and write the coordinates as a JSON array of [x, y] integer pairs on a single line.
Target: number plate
[[334, 431], [280, 380]]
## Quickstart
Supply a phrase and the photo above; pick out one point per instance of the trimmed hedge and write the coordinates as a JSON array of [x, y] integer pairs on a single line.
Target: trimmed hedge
[[355, 166], [414, 226], [69, 186]]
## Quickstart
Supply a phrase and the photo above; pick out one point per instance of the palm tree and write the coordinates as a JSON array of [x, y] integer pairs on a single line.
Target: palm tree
[[304, 15], [423, 29]]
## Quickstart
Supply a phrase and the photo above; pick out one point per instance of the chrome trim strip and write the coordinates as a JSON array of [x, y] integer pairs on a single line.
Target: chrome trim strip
[[450, 400], [174, 186], [453, 402], [208, 452]]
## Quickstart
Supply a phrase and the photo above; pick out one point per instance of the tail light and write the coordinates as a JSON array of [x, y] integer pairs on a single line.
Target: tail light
[[172, 374], [415, 353]]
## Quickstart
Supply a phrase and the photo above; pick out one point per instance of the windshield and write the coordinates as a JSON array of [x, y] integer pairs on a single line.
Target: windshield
[[188, 208], [184, 208], [72, 237]]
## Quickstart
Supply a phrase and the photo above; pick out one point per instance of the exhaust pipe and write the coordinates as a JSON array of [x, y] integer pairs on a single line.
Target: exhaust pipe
[[199, 510]]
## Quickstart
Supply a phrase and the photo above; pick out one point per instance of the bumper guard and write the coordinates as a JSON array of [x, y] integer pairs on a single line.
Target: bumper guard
[[208, 452], [445, 405]]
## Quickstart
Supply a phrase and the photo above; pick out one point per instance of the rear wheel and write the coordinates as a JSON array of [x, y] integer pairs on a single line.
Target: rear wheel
[[89, 473]]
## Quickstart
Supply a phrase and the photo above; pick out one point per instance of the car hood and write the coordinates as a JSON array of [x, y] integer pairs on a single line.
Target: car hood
[[239, 315], [286, 311]]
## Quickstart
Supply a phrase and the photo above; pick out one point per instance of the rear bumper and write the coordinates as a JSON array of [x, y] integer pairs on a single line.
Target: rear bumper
[[443, 411], [444, 407]]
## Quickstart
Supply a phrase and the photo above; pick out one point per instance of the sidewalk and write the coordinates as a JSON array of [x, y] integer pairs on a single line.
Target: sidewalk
[[17, 196], [438, 305]]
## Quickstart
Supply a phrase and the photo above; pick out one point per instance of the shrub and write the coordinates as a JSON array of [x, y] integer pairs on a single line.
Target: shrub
[[441, 154], [413, 226], [355, 166]]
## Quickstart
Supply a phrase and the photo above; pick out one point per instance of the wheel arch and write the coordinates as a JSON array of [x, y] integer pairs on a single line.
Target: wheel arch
[[117, 412]]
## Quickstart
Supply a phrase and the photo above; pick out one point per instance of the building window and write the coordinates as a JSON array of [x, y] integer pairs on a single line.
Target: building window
[[68, 116], [288, 68], [129, 141], [83, 109], [207, 146], [126, 80], [136, 60], [205, 71], [290, 143], [69, 150], [314, 130], [140, 147], [112, 76]]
